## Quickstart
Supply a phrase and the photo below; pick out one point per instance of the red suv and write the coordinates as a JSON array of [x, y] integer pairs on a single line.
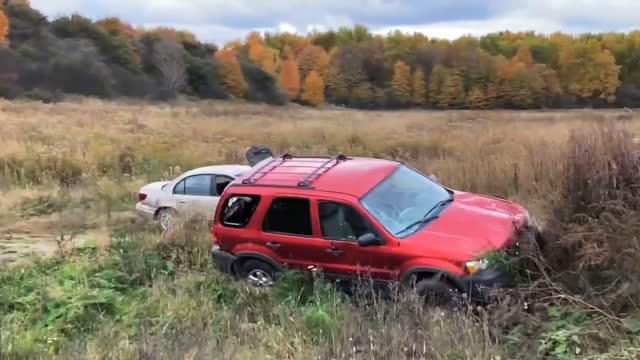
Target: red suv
[[351, 217]]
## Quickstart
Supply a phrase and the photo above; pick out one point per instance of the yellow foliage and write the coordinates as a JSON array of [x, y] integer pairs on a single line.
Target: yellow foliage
[[401, 82], [587, 69], [477, 98], [289, 78], [313, 89], [419, 95], [453, 92], [523, 55]]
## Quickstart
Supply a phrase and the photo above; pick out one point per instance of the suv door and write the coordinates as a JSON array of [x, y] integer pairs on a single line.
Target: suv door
[[288, 230], [342, 224]]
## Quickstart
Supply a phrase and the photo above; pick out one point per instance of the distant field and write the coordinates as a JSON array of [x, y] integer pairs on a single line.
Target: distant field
[[69, 174]]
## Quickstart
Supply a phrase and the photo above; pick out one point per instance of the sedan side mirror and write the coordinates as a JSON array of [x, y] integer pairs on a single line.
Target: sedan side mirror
[[369, 239]]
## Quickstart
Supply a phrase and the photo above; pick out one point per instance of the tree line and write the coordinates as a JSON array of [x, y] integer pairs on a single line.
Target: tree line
[[349, 66]]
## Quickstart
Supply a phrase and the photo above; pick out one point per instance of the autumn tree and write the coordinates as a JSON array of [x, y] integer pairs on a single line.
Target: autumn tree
[[231, 72], [260, 54], [349, 65], [401, 82], [419, 93], [116, 27], [523, 55], [437, 84], [4, 29], [336, 84], [313, 58], [587, 70], [477, 98], [453, 94], [313, 92], [289, 79]]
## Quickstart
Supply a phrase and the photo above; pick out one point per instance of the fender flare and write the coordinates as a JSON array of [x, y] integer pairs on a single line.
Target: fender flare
[[455, 280], [246, 255]]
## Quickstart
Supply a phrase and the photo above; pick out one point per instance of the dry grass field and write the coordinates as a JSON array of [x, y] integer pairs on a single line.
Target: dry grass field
[[69, 174]]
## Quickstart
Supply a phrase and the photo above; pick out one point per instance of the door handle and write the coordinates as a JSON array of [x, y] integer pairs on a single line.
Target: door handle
[[272, 245], [182, 202], [334, 251]]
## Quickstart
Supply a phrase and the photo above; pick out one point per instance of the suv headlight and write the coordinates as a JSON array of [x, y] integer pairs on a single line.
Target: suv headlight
[[476, 265]]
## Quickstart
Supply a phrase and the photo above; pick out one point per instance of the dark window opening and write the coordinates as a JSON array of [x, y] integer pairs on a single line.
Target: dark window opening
[[238, 209], [221, 183], [289, 216]]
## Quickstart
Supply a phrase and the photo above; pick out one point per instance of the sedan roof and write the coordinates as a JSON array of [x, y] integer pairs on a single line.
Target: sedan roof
[[230, 170]]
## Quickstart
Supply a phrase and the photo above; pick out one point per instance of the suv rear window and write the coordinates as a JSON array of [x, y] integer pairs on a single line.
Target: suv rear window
[[238, 209], [291, 216]]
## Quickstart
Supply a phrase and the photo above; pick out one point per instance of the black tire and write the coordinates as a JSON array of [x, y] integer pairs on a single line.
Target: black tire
[[258, 273], [436, 291]]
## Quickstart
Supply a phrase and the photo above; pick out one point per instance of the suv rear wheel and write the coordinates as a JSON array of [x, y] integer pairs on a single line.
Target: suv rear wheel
[[258, 273]]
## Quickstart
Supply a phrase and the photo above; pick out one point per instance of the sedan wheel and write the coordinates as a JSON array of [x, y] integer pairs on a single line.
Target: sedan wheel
[[166, 218]]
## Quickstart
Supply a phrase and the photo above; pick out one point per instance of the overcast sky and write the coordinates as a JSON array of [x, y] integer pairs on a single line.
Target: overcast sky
[[222, 20]]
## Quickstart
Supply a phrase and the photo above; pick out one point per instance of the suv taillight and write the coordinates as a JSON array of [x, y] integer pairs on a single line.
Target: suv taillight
[[142, 196], [214, 238]]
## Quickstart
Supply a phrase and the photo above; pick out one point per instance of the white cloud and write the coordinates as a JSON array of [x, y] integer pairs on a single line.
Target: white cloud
[[223, 20]]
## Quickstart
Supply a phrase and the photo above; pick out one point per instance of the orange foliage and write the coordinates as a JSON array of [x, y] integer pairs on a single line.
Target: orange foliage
[[231, 72], [313, 89], [313, 58], [117, 27], [289, 78], [173, 34], [4, 29]]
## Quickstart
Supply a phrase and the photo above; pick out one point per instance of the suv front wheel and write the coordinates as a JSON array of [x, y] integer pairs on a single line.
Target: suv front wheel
[[258, 273], [438, 292]]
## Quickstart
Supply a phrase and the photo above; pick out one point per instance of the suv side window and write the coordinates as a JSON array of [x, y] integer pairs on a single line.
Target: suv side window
[[342, 222], [291, 216], [238, 209]]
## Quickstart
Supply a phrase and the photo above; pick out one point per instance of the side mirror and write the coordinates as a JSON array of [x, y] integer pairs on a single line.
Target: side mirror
[[369, 239]]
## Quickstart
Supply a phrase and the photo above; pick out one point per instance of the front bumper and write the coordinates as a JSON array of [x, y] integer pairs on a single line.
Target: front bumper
[[146, 212], [478, 286], [223, 260]]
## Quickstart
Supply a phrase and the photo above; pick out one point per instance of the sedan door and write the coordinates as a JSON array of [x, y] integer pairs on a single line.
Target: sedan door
[[195, 196]]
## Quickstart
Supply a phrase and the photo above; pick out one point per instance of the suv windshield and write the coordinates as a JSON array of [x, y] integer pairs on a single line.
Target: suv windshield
[[405, 200]]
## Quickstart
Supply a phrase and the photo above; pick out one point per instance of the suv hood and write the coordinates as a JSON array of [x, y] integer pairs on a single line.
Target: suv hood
[[471, 225]]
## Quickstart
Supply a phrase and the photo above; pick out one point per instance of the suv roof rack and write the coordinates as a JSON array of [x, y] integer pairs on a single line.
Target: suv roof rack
[[306, 182]]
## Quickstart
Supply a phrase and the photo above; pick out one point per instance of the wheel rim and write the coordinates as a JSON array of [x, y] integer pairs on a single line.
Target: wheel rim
[[165, 220], [259, 278]]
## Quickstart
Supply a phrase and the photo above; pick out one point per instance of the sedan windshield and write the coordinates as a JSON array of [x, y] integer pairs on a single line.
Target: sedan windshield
[[406, 201]]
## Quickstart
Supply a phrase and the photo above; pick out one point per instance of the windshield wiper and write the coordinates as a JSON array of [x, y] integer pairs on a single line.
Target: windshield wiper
[[426, 218]]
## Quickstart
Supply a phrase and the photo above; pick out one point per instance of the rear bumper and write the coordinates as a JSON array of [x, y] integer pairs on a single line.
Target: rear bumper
[[223, 260], [146, 212], [478, 286]]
